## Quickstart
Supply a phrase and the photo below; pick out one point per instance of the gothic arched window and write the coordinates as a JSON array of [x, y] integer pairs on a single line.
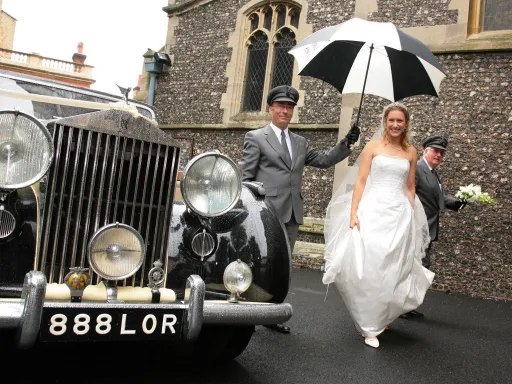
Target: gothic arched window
[[270, 35]]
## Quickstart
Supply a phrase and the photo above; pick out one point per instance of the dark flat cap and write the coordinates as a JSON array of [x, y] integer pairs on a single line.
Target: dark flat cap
[[436, 142], [283, 93]]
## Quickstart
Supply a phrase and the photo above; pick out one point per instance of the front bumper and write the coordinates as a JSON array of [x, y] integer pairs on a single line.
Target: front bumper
[[24, 315]]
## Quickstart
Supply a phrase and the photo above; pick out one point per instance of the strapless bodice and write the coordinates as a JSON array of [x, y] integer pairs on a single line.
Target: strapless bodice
[[389, 172]]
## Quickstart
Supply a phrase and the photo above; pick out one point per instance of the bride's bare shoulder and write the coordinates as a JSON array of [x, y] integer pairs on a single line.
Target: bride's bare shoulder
[[411, 150], [372, 144], [412, 153]]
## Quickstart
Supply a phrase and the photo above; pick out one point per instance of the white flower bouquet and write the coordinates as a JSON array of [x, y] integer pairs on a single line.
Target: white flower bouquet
[[473, 194]]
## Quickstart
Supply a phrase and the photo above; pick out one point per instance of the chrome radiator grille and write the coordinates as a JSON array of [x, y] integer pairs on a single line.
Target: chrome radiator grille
[[98, 179]]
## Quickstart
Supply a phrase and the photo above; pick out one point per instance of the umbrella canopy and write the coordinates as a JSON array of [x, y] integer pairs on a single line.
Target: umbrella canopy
[[360, 56]]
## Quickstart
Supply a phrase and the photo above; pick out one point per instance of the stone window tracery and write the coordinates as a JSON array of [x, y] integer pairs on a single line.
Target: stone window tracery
[[271, 33]]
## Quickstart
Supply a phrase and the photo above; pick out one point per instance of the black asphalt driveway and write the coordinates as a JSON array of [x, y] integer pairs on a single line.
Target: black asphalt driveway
[[460, 340]]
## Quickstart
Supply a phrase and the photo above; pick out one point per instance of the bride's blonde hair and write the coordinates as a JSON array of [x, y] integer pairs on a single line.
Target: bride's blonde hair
[[404, 139]]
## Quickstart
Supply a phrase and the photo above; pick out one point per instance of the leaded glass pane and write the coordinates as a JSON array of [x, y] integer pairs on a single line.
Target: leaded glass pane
[[254, 21], [283, 61], [255, 73], [497, 15], [268, 18], [281, 16], [294, 18]]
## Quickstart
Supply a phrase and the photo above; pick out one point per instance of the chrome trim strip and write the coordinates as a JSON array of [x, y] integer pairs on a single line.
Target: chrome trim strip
[[119, 179], [134, 205], [151, 237], [111, 180], [10, 313], [243, 313], [81, 197], [159, 205], [34, 288], [196, 287], [90, 201], [168, 205], [70, 204], [60, 204], [130, 169], [54, 170], [102, 176]]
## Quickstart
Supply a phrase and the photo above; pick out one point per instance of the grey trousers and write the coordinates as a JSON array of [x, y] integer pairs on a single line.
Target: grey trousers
[[426, 260], [292, 229]]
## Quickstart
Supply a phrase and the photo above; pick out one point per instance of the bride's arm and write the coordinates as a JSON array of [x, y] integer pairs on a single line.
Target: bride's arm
[[364, 170], [411, 178]]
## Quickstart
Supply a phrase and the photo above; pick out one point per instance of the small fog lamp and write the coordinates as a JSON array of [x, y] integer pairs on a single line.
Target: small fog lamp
[[237, 279], [116, 251]]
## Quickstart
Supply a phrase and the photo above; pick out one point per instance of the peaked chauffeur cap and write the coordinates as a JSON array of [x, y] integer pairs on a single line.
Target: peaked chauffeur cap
[[283, 93], [436, 142]]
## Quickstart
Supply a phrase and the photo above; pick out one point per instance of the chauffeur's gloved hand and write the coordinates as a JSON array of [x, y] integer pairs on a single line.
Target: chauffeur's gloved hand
[[352, 135], [460, 205]]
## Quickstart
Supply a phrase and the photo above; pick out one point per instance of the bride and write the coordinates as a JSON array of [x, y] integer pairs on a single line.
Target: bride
[[377, 234]]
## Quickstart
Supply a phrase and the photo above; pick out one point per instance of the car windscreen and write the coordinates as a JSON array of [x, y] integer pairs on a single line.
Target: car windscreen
[[49, 111]]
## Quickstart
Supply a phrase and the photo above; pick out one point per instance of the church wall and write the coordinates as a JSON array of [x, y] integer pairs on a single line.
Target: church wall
[[191, 92], [414, 13]]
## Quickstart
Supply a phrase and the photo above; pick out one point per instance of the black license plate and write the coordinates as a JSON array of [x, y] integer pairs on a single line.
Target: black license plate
[[111, 324]]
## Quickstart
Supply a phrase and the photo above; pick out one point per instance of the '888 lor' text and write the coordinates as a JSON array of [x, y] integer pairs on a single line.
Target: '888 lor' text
[[103, 326]]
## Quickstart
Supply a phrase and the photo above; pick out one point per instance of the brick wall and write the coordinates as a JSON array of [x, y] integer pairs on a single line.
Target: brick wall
[[7, 28]]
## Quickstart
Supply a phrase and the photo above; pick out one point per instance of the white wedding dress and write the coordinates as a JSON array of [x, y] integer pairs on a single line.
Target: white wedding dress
[[378, 270]]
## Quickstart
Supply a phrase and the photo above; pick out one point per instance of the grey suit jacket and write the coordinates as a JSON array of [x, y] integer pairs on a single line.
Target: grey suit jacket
[[264, 161], [432, 197]]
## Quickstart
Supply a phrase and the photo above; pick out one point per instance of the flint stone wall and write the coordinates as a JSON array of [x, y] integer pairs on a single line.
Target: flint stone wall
[[415, 13], [191, 92], [474, 110]]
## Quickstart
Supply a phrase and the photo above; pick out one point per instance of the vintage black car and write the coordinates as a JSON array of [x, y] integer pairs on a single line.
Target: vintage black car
[[94, 247]]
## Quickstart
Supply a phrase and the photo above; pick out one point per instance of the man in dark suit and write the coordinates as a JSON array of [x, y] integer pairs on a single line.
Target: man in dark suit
[[429, 190], [276, 157]]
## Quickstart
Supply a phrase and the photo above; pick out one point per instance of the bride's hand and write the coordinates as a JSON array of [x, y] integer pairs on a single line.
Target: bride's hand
[[354, 221]]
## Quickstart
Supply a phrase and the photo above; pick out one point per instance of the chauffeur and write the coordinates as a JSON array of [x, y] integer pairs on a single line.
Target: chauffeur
[[276, 157], [429, 190]]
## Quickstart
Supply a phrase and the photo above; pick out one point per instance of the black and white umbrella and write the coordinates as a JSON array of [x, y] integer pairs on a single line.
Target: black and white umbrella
[[360, 56]]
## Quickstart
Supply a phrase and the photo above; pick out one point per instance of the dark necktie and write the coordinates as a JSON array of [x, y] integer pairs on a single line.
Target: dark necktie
[[441, 194], [436, 175], [287, 157]]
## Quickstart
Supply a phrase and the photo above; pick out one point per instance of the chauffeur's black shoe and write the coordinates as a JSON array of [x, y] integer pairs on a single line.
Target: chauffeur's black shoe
[[410, 314], [279, 328]]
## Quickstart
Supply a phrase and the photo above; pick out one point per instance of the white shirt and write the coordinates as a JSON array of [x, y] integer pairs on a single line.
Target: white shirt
[[278, 131], [429, 167]]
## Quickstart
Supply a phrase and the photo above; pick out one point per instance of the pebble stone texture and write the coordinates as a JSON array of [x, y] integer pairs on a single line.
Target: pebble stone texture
[[413, 13], [474, 111]]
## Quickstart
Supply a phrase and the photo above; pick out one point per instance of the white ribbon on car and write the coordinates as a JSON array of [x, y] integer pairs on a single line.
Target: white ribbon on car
[[119, 105]]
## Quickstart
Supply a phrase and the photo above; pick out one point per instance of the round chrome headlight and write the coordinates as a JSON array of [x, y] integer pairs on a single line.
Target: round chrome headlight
[[116, 251], [211, 184], [26, 150], [237, 277]]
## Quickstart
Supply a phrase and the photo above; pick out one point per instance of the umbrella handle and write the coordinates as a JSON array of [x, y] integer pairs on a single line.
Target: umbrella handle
[[364, 85]]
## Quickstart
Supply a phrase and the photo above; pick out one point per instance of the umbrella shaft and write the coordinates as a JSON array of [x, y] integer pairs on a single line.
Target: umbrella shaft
[[364, 85]]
